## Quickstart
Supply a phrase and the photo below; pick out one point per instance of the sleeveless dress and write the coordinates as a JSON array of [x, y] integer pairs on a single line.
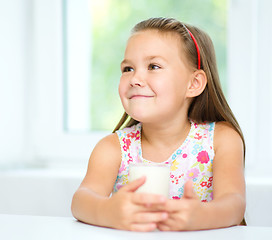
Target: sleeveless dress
[[192, 160]]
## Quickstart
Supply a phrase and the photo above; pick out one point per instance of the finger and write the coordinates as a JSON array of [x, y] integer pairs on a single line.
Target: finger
[[168, 224], [148, 227], [163, 227], [148, 217], [189, 190], [174, 205], [149, 199], [134, 185]]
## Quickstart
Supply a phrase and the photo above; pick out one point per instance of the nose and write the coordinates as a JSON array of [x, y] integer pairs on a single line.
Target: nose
[[136, 84], [137, 80]]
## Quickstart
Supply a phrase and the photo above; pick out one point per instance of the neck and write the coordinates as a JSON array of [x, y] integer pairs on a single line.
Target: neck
[[162, 140]]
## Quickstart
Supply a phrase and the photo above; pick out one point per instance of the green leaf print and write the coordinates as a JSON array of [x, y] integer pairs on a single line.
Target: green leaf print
[[201, 167], [197, 163]]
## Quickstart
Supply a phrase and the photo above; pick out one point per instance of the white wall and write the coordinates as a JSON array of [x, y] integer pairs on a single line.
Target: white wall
[[38, 192], [13, 75]]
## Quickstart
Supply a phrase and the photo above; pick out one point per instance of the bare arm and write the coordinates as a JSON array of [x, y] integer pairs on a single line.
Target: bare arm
[[228, 206], [229, 203], [125, 209], [98, 183]]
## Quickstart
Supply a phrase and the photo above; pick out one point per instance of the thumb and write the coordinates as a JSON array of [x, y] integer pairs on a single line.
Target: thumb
[[189, 190], [134, 185]]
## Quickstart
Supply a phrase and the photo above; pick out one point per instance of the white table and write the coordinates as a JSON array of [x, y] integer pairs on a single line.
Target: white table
[[64, 228]]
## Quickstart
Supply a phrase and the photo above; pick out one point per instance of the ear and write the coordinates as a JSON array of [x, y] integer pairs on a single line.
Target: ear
[[197, 84]]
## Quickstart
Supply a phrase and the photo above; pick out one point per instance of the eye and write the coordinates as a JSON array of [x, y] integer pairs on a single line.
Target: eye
[[153, 67], [127, 69]]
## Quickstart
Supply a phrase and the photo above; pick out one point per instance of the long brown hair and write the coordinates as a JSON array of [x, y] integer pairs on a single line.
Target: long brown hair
[[211, 104]]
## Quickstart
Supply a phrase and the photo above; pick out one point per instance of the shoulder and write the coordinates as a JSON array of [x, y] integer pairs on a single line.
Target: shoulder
[[109, 145], [106, 154], [103, 165], [226, 137], [228, 164], [225, 130]]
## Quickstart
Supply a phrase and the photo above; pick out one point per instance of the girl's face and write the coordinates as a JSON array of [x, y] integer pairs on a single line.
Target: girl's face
[[155, 78]]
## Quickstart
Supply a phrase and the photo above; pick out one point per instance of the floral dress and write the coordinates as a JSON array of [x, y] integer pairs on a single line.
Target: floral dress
[[192, 160]]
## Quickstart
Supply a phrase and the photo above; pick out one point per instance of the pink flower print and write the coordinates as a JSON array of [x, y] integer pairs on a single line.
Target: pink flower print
[[204, 200], [203, 184], [118, 186], [171, 176], [129, 158], [137, 135], [122, 168], [177, 179], [209, 185], [210, 179], [127, 143], [197, 136], [192, 173], [184, 155], [203, 157], [134, 135], [206, 132], [175, 197], [131, 135], [195, 124]]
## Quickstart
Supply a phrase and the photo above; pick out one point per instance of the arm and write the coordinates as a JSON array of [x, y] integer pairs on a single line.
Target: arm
[[229, 184], [228, 206], [125, 209]]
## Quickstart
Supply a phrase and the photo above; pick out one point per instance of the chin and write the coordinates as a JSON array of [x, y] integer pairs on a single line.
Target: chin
[[141, 114], [143, 119]]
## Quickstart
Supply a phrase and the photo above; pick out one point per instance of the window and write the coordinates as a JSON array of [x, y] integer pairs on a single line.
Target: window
[[51, 136]]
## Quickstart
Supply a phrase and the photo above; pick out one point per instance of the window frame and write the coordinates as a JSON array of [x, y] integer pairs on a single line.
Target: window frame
[[50, 143], [249, 61]]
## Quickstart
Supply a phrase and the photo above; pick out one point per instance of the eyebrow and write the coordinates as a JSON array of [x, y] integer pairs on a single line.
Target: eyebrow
[[148, 58]]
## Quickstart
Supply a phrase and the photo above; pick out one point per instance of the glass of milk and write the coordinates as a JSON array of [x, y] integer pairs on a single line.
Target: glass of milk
[[157, 177]]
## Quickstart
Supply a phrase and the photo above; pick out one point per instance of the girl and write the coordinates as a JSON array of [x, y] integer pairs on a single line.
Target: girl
[[175, 113]]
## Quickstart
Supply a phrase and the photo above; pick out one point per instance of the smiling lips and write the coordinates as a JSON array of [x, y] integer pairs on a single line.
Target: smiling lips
[[140, 96]]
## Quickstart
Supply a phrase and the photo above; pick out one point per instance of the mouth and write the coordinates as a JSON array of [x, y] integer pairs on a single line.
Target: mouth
[[140, 96]]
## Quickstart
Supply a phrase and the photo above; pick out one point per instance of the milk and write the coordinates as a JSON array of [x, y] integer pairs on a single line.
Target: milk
[[157, 177]]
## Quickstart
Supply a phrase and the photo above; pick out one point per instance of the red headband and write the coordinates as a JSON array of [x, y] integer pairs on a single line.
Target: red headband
[[197, 49]]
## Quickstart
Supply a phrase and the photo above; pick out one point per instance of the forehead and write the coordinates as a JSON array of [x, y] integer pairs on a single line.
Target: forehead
[[154, 42]]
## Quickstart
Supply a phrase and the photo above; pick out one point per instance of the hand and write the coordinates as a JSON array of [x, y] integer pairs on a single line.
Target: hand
[[185, 213], [135, 211]]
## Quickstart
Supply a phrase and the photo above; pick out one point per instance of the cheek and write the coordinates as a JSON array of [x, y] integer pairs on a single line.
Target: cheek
[[119, 89], [122, 89], [163, 87], [173, 90]]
